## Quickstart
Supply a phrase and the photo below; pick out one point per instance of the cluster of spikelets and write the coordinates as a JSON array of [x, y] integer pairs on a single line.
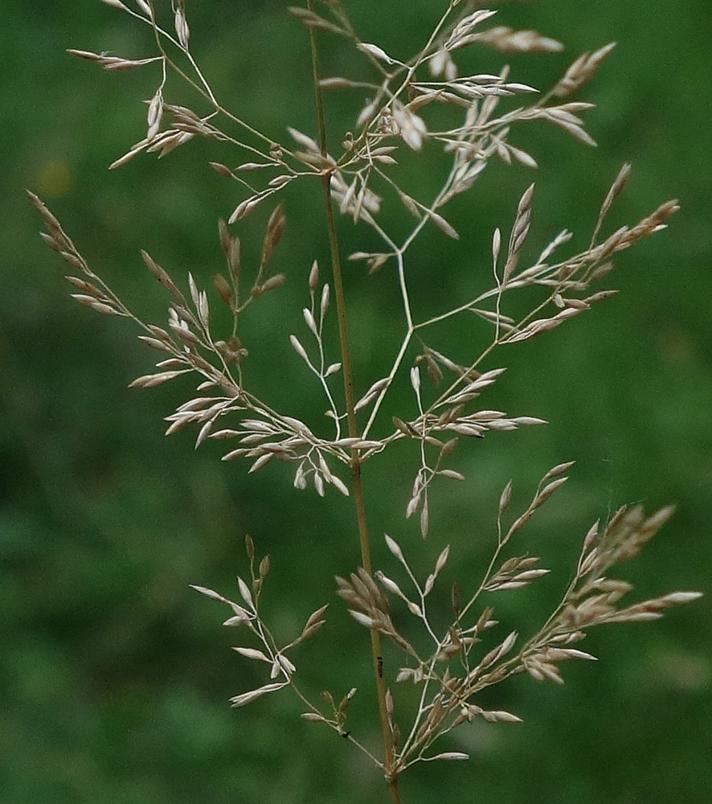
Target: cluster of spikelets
[[450, 666]]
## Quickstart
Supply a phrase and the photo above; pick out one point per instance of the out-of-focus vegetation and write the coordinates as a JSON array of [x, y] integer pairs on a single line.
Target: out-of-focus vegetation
[[114, 676]]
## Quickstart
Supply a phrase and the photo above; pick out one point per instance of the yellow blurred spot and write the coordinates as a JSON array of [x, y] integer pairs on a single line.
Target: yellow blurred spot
[[683, 670], [53, 179]]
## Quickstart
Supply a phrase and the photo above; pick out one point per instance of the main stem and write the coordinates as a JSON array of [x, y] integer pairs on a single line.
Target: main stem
[[347, 372]]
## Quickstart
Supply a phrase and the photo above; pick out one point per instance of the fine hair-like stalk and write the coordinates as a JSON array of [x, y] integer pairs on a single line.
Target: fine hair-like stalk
[[356, 482]]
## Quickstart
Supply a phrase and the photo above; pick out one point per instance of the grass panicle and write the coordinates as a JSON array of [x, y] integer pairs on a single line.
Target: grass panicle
[[450, 656]]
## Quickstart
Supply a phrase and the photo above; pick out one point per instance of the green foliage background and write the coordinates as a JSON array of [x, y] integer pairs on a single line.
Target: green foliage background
[[113, 675]]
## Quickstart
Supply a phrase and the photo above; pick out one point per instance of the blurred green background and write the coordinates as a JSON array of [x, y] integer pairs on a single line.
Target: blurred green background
[[114, 676]]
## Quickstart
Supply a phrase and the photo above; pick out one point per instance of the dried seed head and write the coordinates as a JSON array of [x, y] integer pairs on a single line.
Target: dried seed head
[[505, 498], [581, 71], [314, 277], [274, 232], [395, 549], [223, 288], [272, 283], [264, 567]]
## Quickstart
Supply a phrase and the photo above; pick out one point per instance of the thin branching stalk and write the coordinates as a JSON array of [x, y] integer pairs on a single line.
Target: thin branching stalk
[[452, 665], [356, 481]]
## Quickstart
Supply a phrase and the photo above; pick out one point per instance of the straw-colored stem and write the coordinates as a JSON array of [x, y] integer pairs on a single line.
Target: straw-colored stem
[[347, 371]]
